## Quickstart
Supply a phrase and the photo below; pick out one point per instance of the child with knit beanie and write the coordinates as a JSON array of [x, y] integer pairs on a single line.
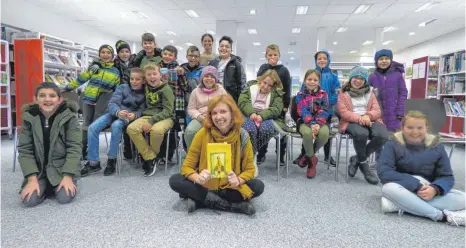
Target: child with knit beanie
[[104, 80], [208, 88], [360, 117]]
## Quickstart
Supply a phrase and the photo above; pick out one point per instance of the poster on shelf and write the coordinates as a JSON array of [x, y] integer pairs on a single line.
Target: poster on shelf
[[422, 70], [415, 71]]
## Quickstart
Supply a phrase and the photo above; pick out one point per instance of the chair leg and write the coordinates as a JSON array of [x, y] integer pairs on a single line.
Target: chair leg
[[330, 153], [451, 151], [106, 140], [287, 154], [166, 151], [278, 157], [346, 160], [337, 166], [15, 149]]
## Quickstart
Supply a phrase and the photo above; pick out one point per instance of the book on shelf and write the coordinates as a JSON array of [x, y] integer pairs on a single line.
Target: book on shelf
[[454, 107], [433, 68], [218, 159], [64, 60], [431, 87], [5, 78], [61, 80], [454, 62], [48, 78], [55, 59], [452, 84]]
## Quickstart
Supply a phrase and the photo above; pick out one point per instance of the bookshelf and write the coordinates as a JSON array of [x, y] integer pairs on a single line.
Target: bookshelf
[[424, 77], [5, 89], [451, 91]]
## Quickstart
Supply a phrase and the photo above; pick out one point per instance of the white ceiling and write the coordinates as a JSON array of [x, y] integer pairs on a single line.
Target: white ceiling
[[273, 21]]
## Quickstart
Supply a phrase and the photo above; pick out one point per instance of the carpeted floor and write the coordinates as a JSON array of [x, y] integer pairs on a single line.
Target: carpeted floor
[[129, 210]]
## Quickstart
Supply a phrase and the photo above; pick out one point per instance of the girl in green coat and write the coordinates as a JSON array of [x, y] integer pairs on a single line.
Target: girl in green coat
[[49, 147]]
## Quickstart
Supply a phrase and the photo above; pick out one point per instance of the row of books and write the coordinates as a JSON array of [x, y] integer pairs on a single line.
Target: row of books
[[58, 79], [452, 84], [61, 60], [454, 62], [5, 78], [454, 107]]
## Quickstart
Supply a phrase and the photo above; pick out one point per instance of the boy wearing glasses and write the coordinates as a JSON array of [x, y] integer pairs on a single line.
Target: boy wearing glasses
[[231, 72], [192, 69]]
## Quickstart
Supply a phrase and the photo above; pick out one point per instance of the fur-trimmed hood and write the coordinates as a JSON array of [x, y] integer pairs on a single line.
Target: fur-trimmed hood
[[430, 140]]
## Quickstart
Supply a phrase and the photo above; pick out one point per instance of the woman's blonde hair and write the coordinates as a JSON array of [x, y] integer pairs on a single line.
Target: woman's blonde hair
[[236, 116], [416, 115], [272, 74]]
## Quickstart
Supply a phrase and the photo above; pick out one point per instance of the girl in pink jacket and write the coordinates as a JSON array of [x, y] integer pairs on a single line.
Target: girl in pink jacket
[[200, 98], [360, 117]]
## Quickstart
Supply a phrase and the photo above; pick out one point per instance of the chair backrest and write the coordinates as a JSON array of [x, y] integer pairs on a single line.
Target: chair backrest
[[294, 110], [101, 106], [432, 108], [71, 96]]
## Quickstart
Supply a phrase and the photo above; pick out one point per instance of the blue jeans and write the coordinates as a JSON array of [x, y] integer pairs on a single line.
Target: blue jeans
[[410, 202], [94, 130]]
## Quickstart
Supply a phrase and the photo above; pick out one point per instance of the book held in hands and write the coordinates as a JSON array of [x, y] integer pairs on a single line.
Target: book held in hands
[[218, 159]]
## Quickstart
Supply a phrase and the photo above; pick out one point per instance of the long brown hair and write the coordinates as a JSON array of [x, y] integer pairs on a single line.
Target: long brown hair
[[272, 74], [236, 116]]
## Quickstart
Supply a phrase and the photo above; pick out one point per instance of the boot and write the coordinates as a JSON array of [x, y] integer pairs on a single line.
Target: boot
[[84, 152], [369, 174], [333, 163], [191, 205], [110, 169], [312, 166], [214, 201], [88, 169], [282, 157], [260, 158], [303, 161], [353, 166], [127, 152]]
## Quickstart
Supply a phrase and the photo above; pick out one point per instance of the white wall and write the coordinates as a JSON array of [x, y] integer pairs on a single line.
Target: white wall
[[444, 44], [28, 16]]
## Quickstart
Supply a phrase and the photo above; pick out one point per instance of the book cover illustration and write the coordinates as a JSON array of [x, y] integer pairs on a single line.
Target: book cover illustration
[[218, 159]]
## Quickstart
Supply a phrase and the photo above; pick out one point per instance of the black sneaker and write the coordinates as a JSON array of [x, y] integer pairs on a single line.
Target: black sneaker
[[110, 169], [151, 167], [333, 163], [282, 159], [260, 159], [88, 169], [191, 205]]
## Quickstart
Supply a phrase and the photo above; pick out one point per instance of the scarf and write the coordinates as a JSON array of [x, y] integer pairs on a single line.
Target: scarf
[[383, 71], [208, 91], [359, 92], [233, 138]]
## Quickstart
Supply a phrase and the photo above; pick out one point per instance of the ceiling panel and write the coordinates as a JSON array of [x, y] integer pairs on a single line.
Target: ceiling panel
[[340, 9], [315, 10], [334, 17]]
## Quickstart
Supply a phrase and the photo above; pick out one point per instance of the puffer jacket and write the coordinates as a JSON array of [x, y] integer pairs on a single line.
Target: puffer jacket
[[312, 107], [125, 98], [328, 81], [234, 77], [65, 143]]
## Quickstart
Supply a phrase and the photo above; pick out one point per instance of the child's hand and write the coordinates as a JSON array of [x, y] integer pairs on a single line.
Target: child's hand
[[259, 118], [179, 70], [131, 116], [426, 192], [68, 185], [200, 118], [94, 69], [31, 186], [122, 114], [146, 127], [253, 116]]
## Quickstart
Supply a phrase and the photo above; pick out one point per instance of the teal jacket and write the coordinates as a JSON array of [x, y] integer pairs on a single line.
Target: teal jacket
[[65, 144]]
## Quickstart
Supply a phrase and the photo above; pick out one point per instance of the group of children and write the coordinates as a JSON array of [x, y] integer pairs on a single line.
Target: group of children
[[152, 92]]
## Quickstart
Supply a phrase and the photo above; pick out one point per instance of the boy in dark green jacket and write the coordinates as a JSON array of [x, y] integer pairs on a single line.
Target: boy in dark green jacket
[[157, 119], [49, 147]]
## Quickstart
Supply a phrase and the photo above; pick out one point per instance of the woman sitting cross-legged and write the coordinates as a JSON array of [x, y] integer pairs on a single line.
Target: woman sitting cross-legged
[[233, 192], [200, 97], [312, 104], [262, 103], [360, 117], [417, 176]]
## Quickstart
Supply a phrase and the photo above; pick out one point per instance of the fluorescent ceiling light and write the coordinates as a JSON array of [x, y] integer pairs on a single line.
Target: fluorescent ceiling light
[[210, 32], [252, 12], [389, 29], [423, 24], [342, 29], [171, 33], [292, 58], [361, 9], [367, 42], [256, 43], [301, 10], [179, 48], [335, 43], [290, 52], [353, 51], [189, 44], [140, 14], [252, 31], [191, 13], [124, 15], [426, 7], [387, 42], [364, 54], [412, 33], [296, 30], [172, 41]]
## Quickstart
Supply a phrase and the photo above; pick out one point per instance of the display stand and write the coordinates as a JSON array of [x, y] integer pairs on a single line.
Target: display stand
[[424, 78]]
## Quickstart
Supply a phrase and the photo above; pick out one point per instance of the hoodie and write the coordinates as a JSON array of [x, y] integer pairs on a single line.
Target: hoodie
[[392, 94], [160, 103], [328, 81], [234, 77], [285, 77]]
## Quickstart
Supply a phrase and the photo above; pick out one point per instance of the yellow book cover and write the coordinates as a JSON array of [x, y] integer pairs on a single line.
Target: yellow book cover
[[218, 159]]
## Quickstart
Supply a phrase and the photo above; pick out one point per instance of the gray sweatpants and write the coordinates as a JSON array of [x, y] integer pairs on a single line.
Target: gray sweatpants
[[61, 196]]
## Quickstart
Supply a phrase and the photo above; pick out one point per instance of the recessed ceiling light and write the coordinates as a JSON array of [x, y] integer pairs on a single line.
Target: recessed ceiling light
[[296, 30], [361, 9], [252, 12], [179, 48], [412, 33], [172, 41], [364, 54], [387, 42], [252, 31], [210, 32], [124, 15], [389, 29], [426, 7], [353, 51], [367, 42], [335, 43], [423, 24], [292, 58], [301, 10], [189, 44], [290, 52], [256, 43], [171, 33], [342, 29], [191, 13], [263, 52], [140, 14]]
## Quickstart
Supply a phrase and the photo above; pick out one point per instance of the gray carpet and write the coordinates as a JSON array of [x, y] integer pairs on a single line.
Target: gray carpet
[[129, 210]]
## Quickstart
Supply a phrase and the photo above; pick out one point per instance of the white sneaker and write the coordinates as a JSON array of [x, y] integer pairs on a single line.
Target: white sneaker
[[256, 173], [388, 206], [455, 217]]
